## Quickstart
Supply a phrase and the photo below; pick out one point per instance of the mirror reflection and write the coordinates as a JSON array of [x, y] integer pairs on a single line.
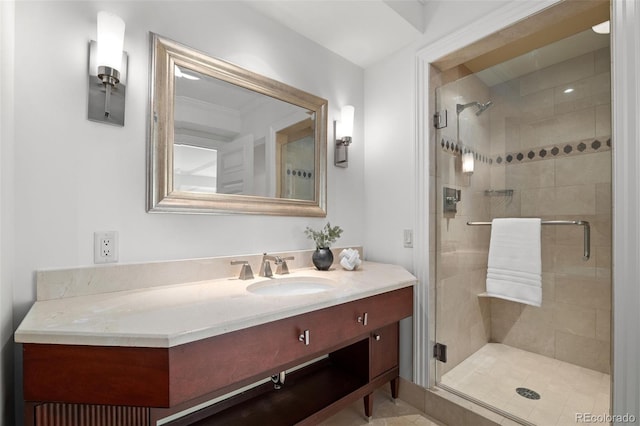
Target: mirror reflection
[[225, 139], [231, 140]]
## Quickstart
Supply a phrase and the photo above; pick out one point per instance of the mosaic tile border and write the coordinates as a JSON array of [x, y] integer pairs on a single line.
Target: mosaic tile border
[[549, 152], [454, 148]]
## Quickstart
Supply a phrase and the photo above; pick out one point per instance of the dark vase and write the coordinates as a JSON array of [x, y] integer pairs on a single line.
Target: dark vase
[[322, 258]]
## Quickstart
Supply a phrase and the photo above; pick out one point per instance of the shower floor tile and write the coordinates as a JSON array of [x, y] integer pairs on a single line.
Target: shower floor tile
[[566, 391]]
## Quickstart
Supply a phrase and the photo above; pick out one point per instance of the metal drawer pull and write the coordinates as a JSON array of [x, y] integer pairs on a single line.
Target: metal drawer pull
[[304, 337], [376, 336], [364, 319]]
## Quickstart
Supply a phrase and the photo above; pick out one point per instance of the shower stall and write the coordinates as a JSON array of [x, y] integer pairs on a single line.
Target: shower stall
[[530, 137]]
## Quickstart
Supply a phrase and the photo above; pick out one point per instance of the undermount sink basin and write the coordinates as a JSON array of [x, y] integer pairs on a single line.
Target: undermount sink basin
[[291, 286]]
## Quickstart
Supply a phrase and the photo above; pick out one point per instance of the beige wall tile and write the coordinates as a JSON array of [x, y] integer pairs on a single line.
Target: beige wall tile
[[572, 126], [504, 310], [574, 319], [583, 291], [603, 325], [599, 225], [603, 120], [532, 337], [583, 169], [548, 287], [583, 351], [603, 262], [536, 202], [603, 198], [565, 72], [574, 200], [567, 259], [586, 93], [537, 105], [603, 60], [537, 174]]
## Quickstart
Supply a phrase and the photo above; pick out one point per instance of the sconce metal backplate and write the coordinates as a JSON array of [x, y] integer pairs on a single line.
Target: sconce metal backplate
[[341, 151], [97, 92]]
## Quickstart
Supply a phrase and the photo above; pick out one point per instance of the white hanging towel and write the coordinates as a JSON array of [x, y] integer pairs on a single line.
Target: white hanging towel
[[514, 269]]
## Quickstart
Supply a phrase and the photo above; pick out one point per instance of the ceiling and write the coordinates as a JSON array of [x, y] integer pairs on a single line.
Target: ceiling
[[366, 31], [361, 31]]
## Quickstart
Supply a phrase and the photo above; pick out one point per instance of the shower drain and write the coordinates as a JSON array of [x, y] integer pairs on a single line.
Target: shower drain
[[528, 393]]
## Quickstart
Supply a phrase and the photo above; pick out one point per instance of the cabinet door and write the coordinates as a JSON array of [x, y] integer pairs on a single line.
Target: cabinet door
[[384, 349]]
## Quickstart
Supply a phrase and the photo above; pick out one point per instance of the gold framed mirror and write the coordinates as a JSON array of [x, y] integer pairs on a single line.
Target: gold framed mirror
[[223, 139]]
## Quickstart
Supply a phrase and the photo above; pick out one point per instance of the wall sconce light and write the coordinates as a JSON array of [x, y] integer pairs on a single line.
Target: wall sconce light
[[341, 153], [468, 163], [107, 71]]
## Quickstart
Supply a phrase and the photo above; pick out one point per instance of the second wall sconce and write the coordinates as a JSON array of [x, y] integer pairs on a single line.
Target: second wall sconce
[[107, 71], [341, 153]]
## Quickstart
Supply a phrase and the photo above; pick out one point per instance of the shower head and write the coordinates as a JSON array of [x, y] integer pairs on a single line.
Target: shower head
[[481, 107]]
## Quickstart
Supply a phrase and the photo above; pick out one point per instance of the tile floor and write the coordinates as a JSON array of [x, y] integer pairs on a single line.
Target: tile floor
[[386, 412], [494, 372]]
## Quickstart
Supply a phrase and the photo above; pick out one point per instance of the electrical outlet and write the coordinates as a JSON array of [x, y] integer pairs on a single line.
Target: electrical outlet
[[105, 247]]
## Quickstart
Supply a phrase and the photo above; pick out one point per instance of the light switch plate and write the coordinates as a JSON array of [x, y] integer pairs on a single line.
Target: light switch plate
[[408, 238]]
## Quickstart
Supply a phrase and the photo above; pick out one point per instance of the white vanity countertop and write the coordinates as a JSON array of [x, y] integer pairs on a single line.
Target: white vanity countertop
[[173, 315]]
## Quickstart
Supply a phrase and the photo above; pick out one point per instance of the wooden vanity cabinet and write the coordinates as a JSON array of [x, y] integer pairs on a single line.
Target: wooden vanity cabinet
[[359, 337]]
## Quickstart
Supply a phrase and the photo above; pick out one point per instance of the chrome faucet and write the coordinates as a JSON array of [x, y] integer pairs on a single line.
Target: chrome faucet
[[280, 262], [265, 266], [245, 273]]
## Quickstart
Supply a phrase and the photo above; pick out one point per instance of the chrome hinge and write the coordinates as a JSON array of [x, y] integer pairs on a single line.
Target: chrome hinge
[[440, 119], [440, 352]]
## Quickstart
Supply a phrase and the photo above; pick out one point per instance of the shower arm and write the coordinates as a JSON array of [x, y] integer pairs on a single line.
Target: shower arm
[[584, 223]]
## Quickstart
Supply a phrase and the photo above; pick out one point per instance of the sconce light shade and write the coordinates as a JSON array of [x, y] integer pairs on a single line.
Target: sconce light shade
[[346, 121], [341, 152], [107, 71], [110, 40], [468, 163]]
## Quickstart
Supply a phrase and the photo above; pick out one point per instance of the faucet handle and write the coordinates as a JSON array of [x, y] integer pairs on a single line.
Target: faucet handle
[[282, 266], [245, 273]]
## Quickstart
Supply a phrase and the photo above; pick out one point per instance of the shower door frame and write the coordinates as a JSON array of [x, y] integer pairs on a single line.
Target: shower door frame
[[625, 37]]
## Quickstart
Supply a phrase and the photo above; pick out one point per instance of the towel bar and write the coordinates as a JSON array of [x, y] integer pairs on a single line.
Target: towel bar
[[584, 223]]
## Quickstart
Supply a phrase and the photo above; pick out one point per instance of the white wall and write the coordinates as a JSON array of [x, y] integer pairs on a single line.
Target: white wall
[[6, 207], [74, 177]]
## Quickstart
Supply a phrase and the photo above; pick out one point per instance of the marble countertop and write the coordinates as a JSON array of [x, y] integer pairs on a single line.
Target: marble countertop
[[172, 315]]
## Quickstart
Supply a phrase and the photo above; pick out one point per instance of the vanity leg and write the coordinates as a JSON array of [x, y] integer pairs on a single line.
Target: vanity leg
[[368, 405], [395, 386]]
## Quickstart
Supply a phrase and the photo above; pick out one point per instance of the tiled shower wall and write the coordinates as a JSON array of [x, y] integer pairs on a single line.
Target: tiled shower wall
[[553, 149]]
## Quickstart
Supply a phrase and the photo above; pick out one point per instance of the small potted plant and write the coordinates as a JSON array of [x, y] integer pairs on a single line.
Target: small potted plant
[[323, 257]]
